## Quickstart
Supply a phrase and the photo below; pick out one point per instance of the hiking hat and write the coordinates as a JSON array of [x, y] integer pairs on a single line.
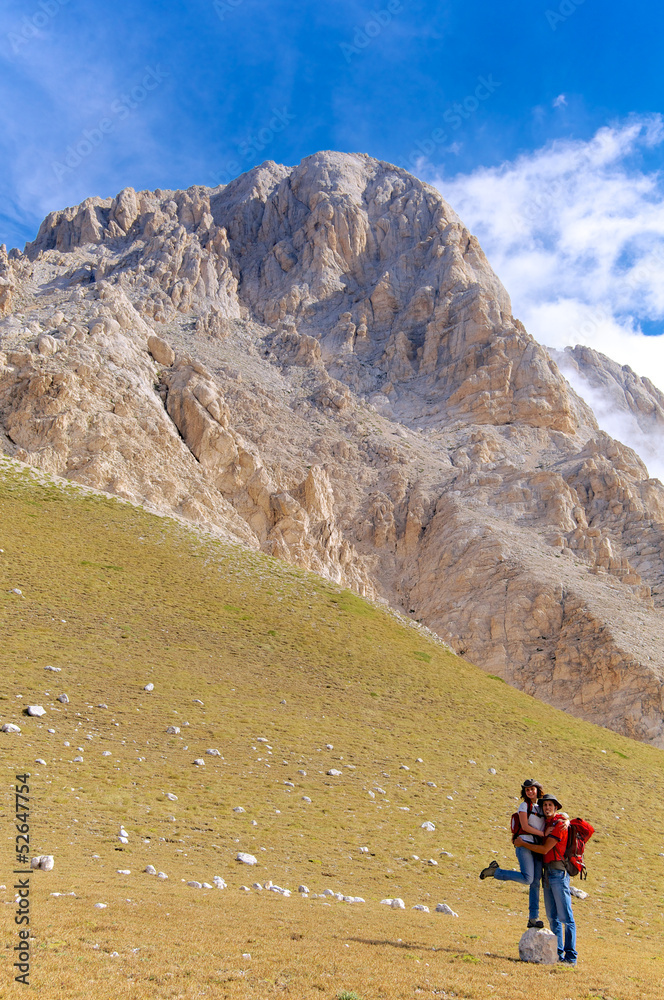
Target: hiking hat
[[530, 783], [551, 798]]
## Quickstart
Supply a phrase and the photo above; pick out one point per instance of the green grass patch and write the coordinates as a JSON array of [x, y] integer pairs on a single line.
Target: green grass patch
[[404, 718]]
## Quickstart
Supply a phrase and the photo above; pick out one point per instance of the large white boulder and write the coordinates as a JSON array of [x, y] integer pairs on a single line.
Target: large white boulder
[[539, 946]]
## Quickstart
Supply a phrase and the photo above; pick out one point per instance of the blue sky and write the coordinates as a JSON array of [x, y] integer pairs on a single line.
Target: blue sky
[[95, 97], [225, 67]]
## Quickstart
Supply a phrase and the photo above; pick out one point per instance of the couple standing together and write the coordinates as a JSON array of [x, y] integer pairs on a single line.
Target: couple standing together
[[540, 850]]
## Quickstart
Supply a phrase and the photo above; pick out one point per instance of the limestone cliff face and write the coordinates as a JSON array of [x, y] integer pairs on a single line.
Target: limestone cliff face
[[630, 407], [320, 363]]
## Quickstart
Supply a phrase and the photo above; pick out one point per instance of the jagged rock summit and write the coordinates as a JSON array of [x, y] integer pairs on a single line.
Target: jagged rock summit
[[319, 362]]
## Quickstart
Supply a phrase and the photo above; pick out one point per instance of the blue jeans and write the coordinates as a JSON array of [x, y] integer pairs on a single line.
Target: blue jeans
[[558, 903], [530, 874]]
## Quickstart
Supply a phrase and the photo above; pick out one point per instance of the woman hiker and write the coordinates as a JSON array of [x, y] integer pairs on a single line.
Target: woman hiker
[[530, 865], [557, 897]]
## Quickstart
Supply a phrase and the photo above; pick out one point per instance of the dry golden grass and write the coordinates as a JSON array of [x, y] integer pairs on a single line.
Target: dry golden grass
[[117, 597]]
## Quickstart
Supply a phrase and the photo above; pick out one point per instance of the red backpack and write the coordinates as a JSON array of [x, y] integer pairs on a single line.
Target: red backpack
[[578, 834], [515, 823]]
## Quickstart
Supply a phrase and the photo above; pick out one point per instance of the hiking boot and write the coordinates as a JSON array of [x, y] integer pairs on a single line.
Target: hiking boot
[[489, 870], [535, 923]]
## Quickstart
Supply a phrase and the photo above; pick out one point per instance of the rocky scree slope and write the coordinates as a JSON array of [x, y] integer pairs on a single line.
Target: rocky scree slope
[[319, 362]]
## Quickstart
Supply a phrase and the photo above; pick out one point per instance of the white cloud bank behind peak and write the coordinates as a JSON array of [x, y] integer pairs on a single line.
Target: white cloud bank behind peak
[[575, 231]]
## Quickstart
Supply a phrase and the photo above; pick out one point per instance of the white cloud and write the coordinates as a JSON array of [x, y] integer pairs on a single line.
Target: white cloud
[[560, 101], [575, 231]]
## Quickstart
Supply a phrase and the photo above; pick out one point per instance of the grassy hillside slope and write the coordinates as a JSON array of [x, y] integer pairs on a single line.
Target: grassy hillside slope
[[241, 650]]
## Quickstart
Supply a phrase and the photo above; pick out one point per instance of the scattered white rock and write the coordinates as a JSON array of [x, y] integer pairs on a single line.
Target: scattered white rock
[[432, 784], [418, 760], [492, 770], [303, 773], [302, 888], [305, 798], [162, 875], [213, 752], [619, 920], [56, 670], [206, 885], [197, 701], [123, 871], [245, 888], [15, 590], [195, 885], [100, 906], [199, 761], [328, 892], [63, 698], [171, 797], [123, 840], [364, 850], [78, 760], [123, 832], [450, 798], [106, 753], [579, 893], [371, 794], [539, 946], [150, 870], [239, 809], [9, 727], [404, 767], [45, 862], [428, 826], [173, 730], [149, 687], [432, 862], [261, 739], [40, 760], [289, 784], [397, 904], [328, 746], [219, 882], [246, 859], [444, 908], [257, 886], [422, 907], [446, 854], [333, 771]]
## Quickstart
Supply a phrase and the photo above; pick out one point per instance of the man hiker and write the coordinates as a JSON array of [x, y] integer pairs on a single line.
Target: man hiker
[[555, 884]]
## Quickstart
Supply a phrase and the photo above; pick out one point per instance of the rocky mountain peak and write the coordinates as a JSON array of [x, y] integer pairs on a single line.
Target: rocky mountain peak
[[320, 362]]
